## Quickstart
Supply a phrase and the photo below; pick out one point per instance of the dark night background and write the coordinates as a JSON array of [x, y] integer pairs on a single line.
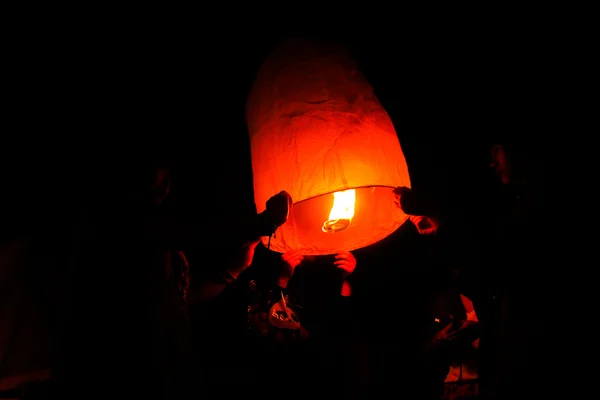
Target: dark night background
[[87, 107], [82, 107]]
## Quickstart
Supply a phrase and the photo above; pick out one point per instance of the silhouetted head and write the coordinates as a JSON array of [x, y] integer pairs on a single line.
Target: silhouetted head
[[148, 184], [161, 186], [515, 160]]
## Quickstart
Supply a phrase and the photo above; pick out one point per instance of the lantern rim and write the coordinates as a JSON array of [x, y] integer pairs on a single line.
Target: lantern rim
[[349, 249], [341, 190]]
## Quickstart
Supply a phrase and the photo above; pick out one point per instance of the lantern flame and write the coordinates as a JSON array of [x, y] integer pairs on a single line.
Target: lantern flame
[[342, 211]]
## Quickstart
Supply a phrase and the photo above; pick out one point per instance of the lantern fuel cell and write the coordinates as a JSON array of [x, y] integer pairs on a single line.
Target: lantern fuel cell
[[336, 225], [318, 131]]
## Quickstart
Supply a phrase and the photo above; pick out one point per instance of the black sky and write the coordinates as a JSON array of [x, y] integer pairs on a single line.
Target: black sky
[[80, 107]]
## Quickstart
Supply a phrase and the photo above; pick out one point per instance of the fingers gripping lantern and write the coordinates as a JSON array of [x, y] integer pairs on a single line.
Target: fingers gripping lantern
[[318, 131]]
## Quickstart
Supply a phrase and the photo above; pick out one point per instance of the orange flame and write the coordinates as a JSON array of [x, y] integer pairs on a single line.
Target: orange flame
[[343, 205], [342, 211]]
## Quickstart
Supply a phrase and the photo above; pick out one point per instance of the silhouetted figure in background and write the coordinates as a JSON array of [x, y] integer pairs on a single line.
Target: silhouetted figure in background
[[128, 328], [452, 329], [217, 300], [492, 241], [33, 242], [263, 330], [25, 323], [322, 287], [321, 284], [389, 295], [515, 354]]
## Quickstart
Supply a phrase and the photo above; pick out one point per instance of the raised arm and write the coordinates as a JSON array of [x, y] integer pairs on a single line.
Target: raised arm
[[346, 262], [247, 236]]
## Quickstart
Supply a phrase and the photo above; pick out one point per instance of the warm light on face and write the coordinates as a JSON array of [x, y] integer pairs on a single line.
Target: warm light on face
[[342, 211]]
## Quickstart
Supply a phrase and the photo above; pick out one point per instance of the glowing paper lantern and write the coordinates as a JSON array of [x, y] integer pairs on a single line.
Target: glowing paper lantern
[[318, 131]]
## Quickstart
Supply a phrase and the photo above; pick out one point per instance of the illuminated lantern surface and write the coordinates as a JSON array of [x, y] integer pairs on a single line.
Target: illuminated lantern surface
[[318, 131]]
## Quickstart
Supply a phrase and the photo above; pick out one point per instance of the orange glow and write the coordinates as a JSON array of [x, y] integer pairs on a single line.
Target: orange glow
[[468, 304], [318, 131], [342, 211]]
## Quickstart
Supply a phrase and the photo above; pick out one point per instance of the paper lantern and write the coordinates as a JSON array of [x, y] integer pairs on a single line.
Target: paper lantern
[[318, 131]]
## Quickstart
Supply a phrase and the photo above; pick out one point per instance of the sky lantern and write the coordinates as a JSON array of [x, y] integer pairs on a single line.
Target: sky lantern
[[318, 131]]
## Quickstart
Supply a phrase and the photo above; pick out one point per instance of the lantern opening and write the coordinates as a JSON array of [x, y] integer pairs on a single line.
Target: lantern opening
[[342, 211], [374, 217]]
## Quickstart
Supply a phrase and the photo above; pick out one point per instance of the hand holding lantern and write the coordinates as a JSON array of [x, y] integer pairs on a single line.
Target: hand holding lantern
[[278, 207], [398, 193], [276, 213], [425, 224], [291, 260], [345, 261]]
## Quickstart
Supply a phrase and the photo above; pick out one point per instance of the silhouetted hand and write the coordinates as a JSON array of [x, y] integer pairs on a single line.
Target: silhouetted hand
[[466, 328], [398, 193], [464, 334], [345, 261], [444, 334], [425, 225], [292, 259], [278, 208]]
